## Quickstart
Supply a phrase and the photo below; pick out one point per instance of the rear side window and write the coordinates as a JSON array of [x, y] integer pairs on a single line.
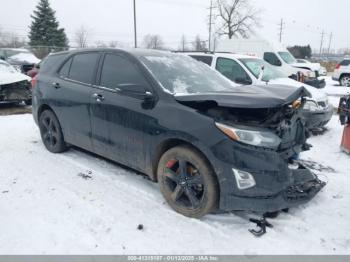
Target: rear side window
[[118, 71], [205, 59], [51, 62], [272, 59], [233, 71], [64, 72], [345, 63], [83, 67]]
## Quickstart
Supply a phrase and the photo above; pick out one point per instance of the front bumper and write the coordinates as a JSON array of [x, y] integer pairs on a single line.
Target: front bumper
[[13, 95], [318, 119], [277, 186]]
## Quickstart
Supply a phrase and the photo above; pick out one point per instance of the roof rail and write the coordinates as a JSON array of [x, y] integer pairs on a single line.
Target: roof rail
[[205, 52]]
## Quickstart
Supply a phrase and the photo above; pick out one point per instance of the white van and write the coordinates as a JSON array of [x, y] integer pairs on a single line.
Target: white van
[[275, 54]]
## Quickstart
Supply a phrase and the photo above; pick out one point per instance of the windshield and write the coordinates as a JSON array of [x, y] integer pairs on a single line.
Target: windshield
[[6, 68], [287, 57], [254, 66], [180, 74]]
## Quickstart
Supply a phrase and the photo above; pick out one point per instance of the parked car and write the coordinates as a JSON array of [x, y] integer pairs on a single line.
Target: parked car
[[342, 73], [14, 86], [22, 59], [322, 70], [209, 143], [245, 70], [277, 55]]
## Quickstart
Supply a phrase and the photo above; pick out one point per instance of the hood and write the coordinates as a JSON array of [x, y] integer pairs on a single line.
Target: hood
[[312, 66], [249, 97], [9, 78], [316, 94], [27, 58]]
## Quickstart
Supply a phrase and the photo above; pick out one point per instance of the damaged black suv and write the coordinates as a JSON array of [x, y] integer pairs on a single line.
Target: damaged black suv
[[209, 144]]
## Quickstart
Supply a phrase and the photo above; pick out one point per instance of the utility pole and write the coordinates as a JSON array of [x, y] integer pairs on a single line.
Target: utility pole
[[322, 38], [330, 43], [281, 28], [210, 23], [135, 31]]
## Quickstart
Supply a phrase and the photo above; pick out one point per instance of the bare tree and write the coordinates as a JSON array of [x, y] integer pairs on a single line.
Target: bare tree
[[153, 42], [11, 39], [199, 44], [238, 17], [81, 37]]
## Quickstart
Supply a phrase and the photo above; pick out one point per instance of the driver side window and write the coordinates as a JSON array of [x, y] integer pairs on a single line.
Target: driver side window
[[233, 71], [272, 59]]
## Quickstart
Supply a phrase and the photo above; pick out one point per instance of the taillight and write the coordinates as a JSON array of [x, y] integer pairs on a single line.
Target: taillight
[[33, 82], [337, 66]]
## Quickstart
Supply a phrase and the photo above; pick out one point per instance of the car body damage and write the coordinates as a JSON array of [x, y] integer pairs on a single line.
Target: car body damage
[[280, 181], [14, 86]]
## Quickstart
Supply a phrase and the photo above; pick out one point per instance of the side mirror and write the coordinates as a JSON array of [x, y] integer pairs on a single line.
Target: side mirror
[[261, 73], [2, 57], [135, 91]]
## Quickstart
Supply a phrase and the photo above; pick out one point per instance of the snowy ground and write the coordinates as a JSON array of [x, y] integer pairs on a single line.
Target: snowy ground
[[77, 203], [47, 207]]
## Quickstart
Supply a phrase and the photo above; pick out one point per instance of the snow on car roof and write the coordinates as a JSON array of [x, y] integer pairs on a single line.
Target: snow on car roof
[[221, 54]]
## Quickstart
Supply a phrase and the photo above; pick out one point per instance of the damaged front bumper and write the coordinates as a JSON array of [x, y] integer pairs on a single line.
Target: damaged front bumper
[[15, 92], [278, 185]]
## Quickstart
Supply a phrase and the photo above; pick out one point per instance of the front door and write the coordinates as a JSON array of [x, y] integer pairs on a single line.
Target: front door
[[119, 120]]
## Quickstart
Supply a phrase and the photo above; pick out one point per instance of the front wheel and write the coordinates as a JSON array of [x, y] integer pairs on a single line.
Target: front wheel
[[345, 80], [187, 182], [51, 132]]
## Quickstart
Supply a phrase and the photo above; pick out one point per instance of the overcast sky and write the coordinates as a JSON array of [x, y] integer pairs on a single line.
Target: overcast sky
[[112, 20]]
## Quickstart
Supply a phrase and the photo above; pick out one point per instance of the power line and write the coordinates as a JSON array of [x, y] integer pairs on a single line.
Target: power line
[[135, 29], [330, 42], [210, 22], [322, 38], [281, 28]]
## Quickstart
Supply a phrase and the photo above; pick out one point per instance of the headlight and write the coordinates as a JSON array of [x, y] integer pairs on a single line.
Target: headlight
[[251, 137], [311, 106]]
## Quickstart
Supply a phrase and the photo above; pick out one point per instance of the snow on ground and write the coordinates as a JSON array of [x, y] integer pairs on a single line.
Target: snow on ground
[[47, 207]]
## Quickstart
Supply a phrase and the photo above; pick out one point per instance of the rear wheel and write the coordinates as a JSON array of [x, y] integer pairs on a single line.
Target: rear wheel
[[187, 182], [51, 132], [345, 80]]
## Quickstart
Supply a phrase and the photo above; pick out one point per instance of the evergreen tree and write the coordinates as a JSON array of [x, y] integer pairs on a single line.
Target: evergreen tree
[[44, 30]]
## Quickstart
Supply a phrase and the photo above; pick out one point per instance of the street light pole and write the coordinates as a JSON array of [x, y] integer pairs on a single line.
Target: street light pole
[[135, 31]]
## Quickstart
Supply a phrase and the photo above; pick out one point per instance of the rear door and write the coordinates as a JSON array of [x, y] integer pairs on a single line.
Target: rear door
[[119, 118], [73, 90]]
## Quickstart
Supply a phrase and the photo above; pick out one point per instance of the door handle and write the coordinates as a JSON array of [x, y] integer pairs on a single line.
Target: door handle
[[56, 85], [98, 97]]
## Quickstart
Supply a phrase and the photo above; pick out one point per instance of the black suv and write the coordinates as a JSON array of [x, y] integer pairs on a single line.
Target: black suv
[[209, 144]]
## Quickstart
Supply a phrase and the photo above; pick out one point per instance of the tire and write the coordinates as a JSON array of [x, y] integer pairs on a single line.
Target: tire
[[187, 182], [28, 102], [345, 80], [51, 132]]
